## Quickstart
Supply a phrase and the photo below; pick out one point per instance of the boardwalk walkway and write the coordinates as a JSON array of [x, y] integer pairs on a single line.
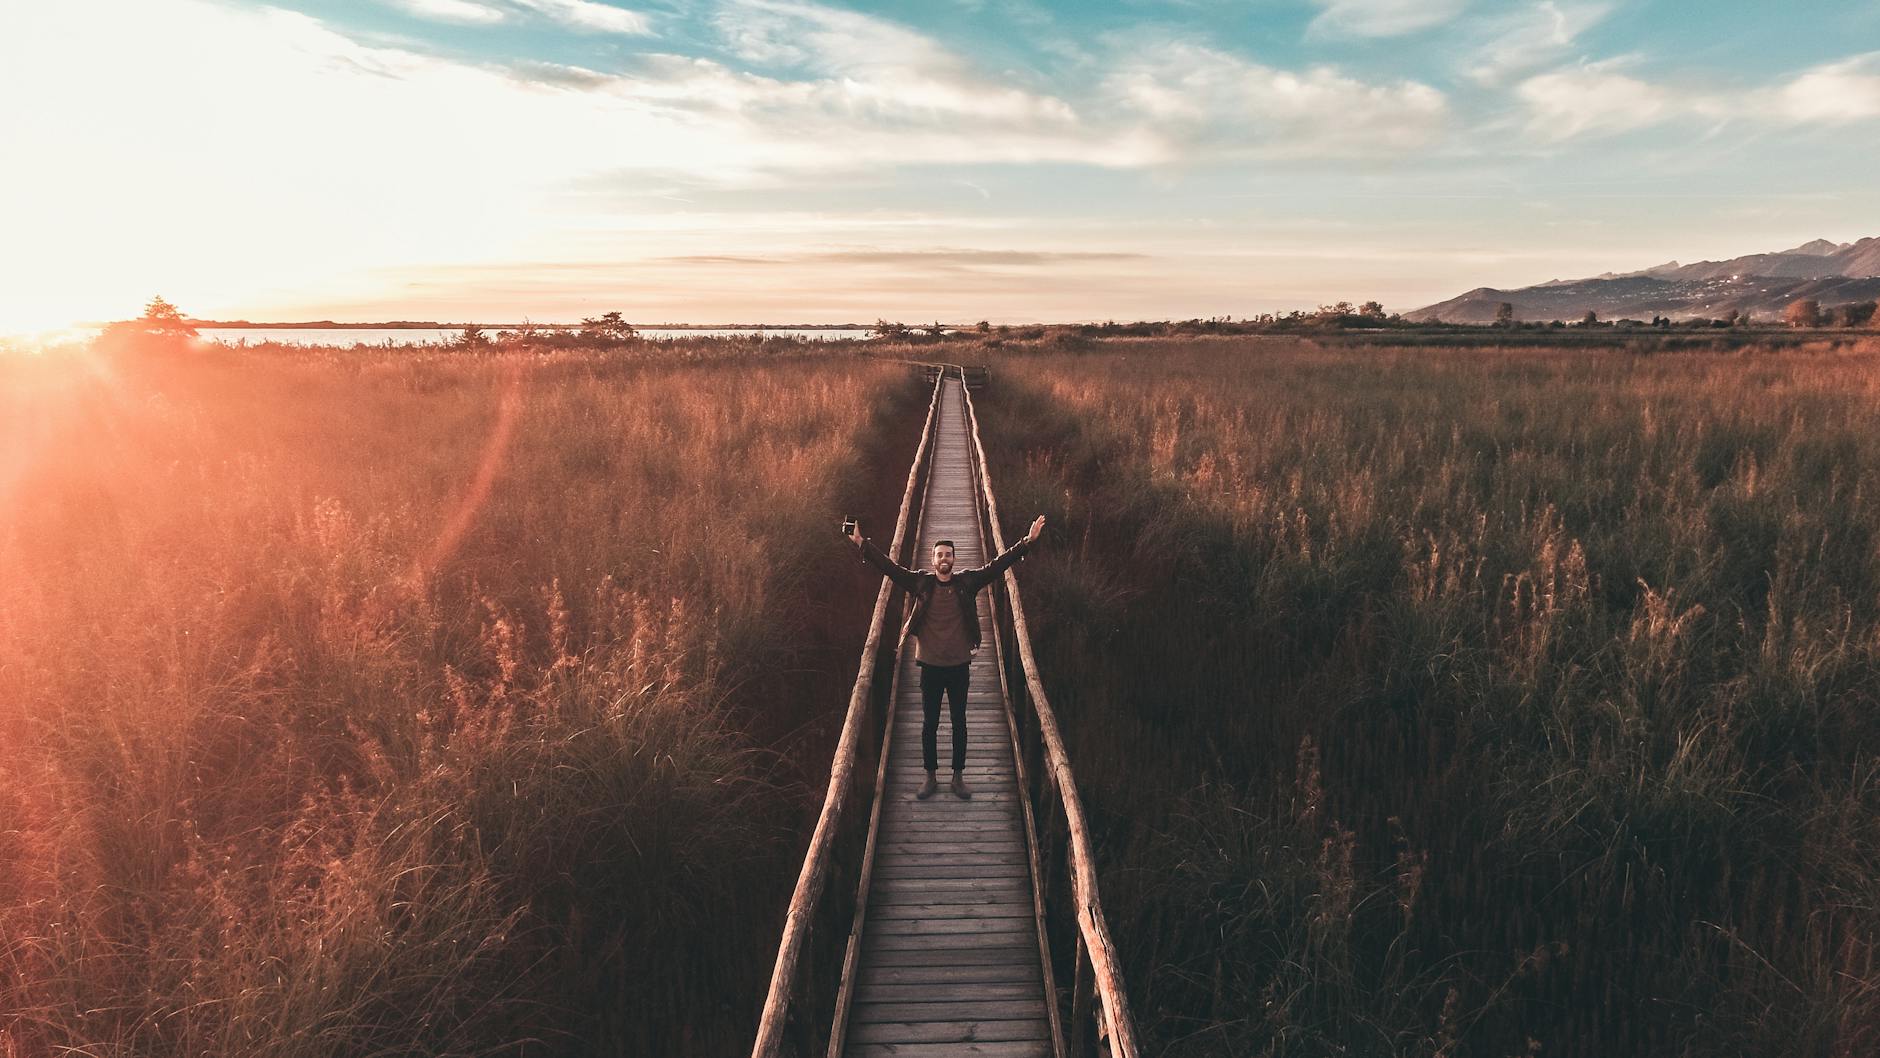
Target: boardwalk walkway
[[950, 961]]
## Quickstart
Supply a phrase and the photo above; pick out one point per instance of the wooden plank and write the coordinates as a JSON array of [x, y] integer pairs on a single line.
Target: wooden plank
[[939, 854], [1026, 943], [947, 1011], [952, 992], [960, 886], [973, 1049], [984, 863], [983, 820], [937, 925], [912, 893], [1002, 850], [992, 953], [948, 842], [945, 870], [915, 896], [994, 885], [952, 811], [1011, 908], [957, 815], [1008, 860], [987, 798], [1016, 972], [953, 854], [951, 1032]]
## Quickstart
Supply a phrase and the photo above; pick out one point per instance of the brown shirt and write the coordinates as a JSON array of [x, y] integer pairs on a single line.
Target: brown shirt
[[942, 637]]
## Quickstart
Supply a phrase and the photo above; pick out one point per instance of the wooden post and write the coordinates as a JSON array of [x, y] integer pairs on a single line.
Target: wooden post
[[1082, 996]]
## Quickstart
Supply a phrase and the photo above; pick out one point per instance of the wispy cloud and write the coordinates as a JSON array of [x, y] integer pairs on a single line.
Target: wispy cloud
[[1835, 93], [1601, 98], [1526, 38], [1205, 102], [1595, 98], [590, 16], [876, 65], [1383, 18], [463, 12]]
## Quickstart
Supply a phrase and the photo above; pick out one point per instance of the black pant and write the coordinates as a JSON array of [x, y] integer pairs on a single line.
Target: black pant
[[950, 679]]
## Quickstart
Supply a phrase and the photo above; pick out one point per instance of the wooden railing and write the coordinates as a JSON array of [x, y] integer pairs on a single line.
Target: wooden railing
[[976, 376], [1063, 862], [793, 1007]]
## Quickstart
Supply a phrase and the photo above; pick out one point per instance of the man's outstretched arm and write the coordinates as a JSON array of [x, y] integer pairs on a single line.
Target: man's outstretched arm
[[894, 571], [991, 570]]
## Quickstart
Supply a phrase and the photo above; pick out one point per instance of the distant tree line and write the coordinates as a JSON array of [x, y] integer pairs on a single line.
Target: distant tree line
[[1807, 312]]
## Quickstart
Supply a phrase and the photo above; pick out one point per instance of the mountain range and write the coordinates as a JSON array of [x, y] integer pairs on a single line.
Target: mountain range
[[1760, 284]]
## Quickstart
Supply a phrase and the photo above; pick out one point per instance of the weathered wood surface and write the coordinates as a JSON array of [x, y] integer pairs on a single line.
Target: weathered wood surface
[[949, 957]]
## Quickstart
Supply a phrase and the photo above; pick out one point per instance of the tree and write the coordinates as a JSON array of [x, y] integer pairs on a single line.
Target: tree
[[1371, 310], [1504, 314], [1803, 312], [161, 317], [1857, 314], [162, 324], [983, 327], [1591, 319], [895, 331], [607, 327], [471, 338]]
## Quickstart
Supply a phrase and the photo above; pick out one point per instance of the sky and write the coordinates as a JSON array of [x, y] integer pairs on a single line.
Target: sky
[[795, 161]]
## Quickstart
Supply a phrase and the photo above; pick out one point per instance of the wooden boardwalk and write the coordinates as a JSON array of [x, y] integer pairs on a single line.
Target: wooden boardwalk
[[950, 961]]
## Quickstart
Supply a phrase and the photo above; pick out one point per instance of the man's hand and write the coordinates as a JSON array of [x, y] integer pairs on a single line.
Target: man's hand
[[855, 536], [1036, 528]]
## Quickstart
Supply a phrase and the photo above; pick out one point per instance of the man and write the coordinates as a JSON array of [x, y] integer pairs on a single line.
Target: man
[[945, 625]]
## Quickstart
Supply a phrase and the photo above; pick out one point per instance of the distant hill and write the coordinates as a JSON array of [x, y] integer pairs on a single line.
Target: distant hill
[[1761, 284]]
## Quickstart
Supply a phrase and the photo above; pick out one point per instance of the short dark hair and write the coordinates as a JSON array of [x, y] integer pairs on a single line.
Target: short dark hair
[[946, 543]]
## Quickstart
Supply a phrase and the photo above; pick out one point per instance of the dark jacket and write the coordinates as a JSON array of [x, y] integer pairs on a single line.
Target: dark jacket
[[920, 584]]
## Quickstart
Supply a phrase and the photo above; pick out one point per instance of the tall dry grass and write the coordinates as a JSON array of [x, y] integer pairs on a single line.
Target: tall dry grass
[[369, 703], [1469, 702]]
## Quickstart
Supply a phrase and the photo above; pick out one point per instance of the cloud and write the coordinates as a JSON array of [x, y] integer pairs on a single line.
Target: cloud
[[875, 65], [1207, 102], [1529, 37], [1593, 98], [590, 16], [1382, 18], [464, 12], [1599, 98], [1836, 93]]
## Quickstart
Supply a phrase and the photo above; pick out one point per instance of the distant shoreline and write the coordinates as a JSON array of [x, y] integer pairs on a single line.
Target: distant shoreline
[[429, 325]]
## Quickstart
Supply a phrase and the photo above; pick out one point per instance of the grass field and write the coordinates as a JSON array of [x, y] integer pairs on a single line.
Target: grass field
[[1427, 702], [368, 703], [1468, 702]]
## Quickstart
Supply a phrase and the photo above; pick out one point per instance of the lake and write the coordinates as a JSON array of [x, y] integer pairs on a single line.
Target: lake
[[417, 335]]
